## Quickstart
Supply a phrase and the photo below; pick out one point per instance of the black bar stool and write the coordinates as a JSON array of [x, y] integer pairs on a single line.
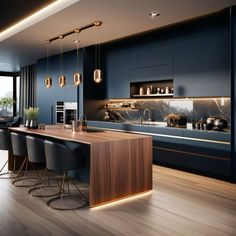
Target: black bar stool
[[62, 159], [19, 148], [5, 144], [36, 155]]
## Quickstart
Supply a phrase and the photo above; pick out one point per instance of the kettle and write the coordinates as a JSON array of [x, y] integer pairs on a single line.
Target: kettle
[[210, 123], [220, 124]]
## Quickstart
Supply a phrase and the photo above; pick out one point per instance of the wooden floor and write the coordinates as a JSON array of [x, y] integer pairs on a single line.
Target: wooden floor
[[180, 204]]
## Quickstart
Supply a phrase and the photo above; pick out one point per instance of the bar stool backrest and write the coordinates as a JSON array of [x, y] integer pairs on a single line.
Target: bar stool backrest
[[5, 140], [60, 158], [18, 141], [35, 149]]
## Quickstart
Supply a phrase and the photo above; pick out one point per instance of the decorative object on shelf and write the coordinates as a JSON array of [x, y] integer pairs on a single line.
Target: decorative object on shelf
[[47, 78], [31, 115], [97, 74], [159, 88], [141, 91], [77, 76], [106, 116]]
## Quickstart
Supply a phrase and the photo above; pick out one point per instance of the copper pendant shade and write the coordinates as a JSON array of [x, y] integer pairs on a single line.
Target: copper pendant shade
[[77, 79], [97, 76], [47, 82], [62, 81]]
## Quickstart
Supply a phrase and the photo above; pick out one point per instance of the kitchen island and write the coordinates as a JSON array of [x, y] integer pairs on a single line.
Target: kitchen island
[[120, 163]]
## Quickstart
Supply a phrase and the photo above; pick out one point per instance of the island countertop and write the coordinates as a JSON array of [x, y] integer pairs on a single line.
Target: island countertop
[[120, 163]]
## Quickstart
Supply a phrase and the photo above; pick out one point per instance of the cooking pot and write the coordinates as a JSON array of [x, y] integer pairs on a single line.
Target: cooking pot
[[220, 124], [176, 120], [210, 123]]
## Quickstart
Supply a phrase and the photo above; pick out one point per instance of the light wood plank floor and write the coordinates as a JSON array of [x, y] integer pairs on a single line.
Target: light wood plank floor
[[180, 204]]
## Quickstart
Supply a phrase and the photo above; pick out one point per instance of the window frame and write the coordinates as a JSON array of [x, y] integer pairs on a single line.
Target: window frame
[[14, 75]]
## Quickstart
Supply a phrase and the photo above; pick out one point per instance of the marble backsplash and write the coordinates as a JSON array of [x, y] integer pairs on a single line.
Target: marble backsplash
[[194, 109]]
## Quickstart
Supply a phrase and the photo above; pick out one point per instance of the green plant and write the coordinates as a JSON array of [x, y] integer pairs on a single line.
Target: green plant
[[6, 102], [31, 113]]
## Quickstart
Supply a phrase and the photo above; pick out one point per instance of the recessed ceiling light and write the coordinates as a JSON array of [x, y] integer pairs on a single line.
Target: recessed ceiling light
[[76, 41], [154, 14]]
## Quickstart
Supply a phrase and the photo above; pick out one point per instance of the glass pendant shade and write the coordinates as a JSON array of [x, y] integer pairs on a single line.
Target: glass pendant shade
[[97, 76], [47, 82], [77, 79], [62, 81]]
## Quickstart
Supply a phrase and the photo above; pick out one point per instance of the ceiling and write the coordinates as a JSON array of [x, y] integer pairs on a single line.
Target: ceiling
[[22, 8], [120, 19]]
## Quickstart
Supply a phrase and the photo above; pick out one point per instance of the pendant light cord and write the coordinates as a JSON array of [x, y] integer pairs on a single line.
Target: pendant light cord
[[77, 51]]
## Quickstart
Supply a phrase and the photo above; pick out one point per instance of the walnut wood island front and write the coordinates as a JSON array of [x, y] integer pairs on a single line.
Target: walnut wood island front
[[120, 163]]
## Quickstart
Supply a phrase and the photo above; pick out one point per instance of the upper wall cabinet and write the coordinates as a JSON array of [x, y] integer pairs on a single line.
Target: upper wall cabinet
[[201, 62], [117, 73], [152, 61], [145, 62]]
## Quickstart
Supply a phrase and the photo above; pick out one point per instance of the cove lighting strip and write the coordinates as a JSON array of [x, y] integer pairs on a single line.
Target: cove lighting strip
[[36, 17]]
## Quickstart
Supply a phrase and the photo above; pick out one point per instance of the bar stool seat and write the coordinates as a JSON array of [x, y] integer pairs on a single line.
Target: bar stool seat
[[61, 158]]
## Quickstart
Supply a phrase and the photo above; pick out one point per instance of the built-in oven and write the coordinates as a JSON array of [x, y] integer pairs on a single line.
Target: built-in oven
[[59, 112], [70, 112]]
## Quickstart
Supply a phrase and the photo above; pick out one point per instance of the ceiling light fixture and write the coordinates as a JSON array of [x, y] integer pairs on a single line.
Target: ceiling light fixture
[[77, 76], [47, 78], [61, 77], [154, 14], [97, 74], [36, 17]]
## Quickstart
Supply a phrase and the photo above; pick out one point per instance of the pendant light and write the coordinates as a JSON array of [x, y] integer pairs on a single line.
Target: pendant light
[[47, 78], [61, 78], [97, 74], [77, 75]]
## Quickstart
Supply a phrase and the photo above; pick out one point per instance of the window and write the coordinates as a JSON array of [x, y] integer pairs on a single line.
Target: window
[[9, 94], [6, 96]]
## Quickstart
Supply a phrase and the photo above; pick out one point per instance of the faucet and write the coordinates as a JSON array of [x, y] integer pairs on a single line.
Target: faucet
[[149, 114]]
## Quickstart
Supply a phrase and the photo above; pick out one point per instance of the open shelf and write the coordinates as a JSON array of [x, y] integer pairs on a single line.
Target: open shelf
[[160, 88]]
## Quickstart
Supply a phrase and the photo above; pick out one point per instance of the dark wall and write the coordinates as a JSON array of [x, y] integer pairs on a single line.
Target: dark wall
[[46, 98], [93, 94]]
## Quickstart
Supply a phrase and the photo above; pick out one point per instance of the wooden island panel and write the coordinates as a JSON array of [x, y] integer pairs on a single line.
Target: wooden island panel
[[124, 168], [120, 163]]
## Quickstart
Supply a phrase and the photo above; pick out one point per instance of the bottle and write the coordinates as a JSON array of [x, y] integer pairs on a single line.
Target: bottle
[[148, 91], [141, 91], [167, 90]]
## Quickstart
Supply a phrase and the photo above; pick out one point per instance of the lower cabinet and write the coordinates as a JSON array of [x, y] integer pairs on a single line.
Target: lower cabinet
[[206, 161]]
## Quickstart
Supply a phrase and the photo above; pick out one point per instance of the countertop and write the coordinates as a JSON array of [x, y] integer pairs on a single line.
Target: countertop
[[160, 132]]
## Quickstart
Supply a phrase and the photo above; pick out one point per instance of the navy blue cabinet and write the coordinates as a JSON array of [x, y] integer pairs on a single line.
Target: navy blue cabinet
[[146, 62], [202, 60], [201, 160], [118, 64]]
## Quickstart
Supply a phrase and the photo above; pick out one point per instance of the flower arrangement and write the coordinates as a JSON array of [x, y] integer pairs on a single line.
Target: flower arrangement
[[31, 113]]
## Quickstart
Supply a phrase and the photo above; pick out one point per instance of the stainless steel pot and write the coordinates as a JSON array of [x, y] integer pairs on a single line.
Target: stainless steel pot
[[220, 124]]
